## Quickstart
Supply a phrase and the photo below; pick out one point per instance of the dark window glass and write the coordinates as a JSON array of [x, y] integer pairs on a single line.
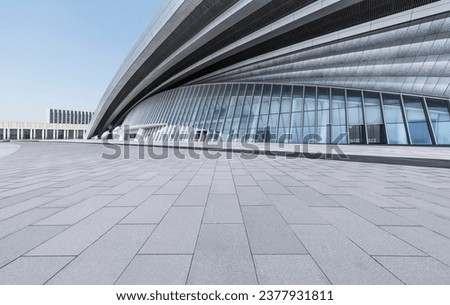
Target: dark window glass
[[440, 118], [395, 124]]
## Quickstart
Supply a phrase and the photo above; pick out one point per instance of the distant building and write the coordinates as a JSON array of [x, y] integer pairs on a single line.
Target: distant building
[[61, 116], [60, 125]]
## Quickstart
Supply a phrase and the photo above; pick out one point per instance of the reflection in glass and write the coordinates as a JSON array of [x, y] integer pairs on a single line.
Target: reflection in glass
[[338, 117], [223, 109], [262, 130], [246, 111], [323, 115], [373, 108], [309, 115], [395, 125], [296, 119], [230, 112], [418, 126], [254, 113], [440, 118]]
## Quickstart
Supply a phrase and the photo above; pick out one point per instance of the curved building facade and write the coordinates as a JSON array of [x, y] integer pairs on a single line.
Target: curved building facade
[[348, 72]]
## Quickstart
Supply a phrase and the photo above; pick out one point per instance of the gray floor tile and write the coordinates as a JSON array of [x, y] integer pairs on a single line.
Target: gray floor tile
[[24, 206], [374, 240], [202, 180], [17, 244], [343, 262], [311, 197], [123, 188], [77, 238], [78, 212], [244, 180], [286, 180], [223, 209], [369, 211], [294, 211], [223, 176], [23, 220], [417, 270], [288, 270], [193, 196], [174, 187], [152, 211], [252, 195], [159, 180], [135, 197], [268, 232], [177, 233], [430, 221], [222, 257], [104, 261], [273, 187], [157, 270], [429, 242], [68, 201], [32, 270], [223, 187], [66, 191]]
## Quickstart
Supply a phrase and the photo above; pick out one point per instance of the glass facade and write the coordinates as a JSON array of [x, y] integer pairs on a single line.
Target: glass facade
[[293, 114]]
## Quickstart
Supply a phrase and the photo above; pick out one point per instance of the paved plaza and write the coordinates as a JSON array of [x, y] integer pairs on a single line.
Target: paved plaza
[[69, 216]]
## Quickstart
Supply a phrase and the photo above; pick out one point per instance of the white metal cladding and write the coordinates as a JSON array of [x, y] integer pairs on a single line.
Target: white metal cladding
[[405, 52], [411, 59], [294, 114]]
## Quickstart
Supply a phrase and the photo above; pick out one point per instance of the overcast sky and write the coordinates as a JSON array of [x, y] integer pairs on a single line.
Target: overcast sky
[[64, 53]]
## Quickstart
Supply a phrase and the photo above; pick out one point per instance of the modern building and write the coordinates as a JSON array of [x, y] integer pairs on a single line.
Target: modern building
[[61, 116], [327, 71], [41, 131], [60, 125]]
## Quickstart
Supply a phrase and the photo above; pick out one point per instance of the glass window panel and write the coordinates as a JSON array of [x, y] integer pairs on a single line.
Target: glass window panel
[[197, 105], [190, 107], [355, 110], [275, 103], [339, 128], [440, 118], [265, 100], [323, 114], [417, 122], [230, 111], [223, 108], [202, 105], [210, 99], [286, 102], [395, 125], [373, 108], [238, 111], [214, 100], [283, 129], [253, 119], [296, 127], [309, 115], [216, 109], [246, 110], [297, 100]]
